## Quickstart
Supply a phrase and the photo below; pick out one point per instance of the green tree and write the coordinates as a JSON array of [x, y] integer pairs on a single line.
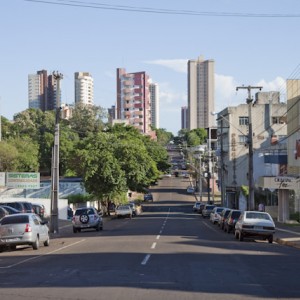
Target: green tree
[[28, 151], [87, 119], [163, 136], [8, 157]]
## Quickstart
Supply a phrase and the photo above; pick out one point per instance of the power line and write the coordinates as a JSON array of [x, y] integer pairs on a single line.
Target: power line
[[103, 6]]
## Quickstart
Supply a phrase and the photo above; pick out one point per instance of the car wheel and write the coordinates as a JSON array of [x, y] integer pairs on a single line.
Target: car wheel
[[270, 239], [13, 247], [36, 244], [98, 227], [241, 238], [74, 229], [84, 218], [47, 242]]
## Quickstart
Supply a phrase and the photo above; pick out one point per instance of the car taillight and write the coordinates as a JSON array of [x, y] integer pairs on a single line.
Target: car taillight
[[28, 228]]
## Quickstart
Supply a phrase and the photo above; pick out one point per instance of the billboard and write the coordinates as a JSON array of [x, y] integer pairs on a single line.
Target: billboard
[[22, 180], [2, 179]]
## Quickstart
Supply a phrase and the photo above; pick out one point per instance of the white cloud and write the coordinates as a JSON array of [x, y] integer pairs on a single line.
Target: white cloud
[[226, 94], [178, 65], [278, 84]]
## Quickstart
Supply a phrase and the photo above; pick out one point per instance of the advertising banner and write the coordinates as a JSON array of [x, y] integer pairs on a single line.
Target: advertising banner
[[2, 179], [24, 180]]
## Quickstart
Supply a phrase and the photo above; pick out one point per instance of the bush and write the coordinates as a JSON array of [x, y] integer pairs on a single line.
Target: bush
[[295, 216], [79, 198]]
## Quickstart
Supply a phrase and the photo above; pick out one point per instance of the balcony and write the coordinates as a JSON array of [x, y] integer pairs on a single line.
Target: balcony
[[128, 105]]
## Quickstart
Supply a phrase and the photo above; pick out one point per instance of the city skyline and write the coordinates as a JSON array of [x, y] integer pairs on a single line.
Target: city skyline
[[254, 47]]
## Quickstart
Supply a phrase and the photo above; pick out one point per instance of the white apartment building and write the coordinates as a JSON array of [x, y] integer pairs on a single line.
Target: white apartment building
[[201, 85], [154, 99], [84, 88], [269, 126]]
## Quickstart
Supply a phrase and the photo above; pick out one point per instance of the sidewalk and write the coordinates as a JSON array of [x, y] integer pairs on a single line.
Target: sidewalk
[[287, 234]]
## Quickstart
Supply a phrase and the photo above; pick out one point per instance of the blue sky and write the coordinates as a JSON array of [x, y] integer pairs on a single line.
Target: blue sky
[[247, 49]]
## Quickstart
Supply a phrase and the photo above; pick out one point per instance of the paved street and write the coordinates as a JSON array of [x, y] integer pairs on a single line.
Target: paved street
[[168, 252]]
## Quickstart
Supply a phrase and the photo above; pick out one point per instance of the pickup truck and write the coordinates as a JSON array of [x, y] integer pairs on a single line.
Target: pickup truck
[[124, 211]]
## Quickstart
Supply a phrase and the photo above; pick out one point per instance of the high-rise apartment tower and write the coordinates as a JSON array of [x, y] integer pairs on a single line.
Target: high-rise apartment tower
[[154, 98], [84, 88], [133, 100], [200, 93]]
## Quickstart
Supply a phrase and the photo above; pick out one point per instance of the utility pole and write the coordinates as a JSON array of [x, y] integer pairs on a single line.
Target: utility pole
[[249, 101], [200, 179], [55, 160], [222, 168]]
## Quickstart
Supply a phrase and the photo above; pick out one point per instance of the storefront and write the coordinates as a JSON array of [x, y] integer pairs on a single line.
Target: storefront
[[284, 184]]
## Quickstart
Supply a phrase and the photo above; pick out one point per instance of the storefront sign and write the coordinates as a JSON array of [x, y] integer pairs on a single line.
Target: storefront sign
[[279, 182], [23, 180], [2, 179]]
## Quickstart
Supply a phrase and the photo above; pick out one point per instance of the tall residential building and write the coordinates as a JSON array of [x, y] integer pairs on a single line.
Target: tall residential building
[[184, 115], [41, 91], [154, 98], [84, 88], [133, 100], [201, 86]]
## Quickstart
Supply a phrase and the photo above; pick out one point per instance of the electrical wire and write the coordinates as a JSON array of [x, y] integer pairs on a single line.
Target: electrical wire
[[103, 6]]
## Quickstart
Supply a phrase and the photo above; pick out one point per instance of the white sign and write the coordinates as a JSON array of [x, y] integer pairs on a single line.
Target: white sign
[[2, 179], [280, 182], [19, 180]]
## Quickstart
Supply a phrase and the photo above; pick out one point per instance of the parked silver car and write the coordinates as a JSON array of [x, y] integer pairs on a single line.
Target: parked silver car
[[255, 224], [85, 218], [23, 229], [208, 208]]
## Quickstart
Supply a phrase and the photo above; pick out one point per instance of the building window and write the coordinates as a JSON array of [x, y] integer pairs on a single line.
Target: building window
[[243, 139], [243, 120], [279, 120]]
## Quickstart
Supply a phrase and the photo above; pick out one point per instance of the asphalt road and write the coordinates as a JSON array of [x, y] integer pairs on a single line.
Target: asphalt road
[[168, 252]]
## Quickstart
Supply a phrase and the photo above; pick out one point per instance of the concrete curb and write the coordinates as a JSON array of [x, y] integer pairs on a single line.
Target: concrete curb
[[291, 242]]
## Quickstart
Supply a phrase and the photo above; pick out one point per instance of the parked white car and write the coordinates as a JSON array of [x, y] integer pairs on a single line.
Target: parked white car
[[255, 224], [124, 211], [215, 215]]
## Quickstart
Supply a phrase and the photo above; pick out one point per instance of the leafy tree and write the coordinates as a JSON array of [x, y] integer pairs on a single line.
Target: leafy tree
[[68, 140], [87, 119], [28, 151], [8, 157], [196, 137], [102, 173], [163, 137]]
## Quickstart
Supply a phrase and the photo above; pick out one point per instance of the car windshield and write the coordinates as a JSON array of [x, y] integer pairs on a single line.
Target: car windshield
[[15, 219], [87, 211], [209, 207], [257, 215], [123, 207], [235, 214]]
